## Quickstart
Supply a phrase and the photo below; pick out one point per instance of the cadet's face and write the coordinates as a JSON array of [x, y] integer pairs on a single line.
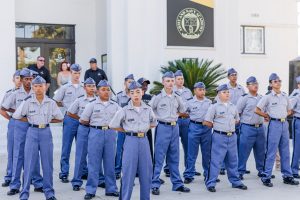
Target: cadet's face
[[199, 92], [233, 78], [39, 89], [90, 89], [168, 83], [104, 93], [276, 84], [127, 82], [179, 81], [26, 81], [17, 81], [253, 87], [145, 87], [298, 85], [76, 75], [136, 95], [93, 66], [224, 95]]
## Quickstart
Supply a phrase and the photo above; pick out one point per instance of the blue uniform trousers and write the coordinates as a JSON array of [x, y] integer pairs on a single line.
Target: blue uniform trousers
[[183, 124], [70, 127], [167, 146], [20, 132], [10, 147], [199, 135], [136, 159], [101, 146], [277, 138], [223, 149], [296, 145], [251, 138], [38, 141], [120, 142]]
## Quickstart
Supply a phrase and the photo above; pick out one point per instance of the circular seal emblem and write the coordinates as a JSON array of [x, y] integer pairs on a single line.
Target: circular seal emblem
[[190, 23]]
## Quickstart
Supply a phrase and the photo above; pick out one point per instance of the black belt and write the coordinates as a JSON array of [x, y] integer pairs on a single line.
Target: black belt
[[253, 125], [140, 135], [195, 122], [280, 120], [296, 117], [224, 133], [39, 126], [84, 125], [168, 123], [100, 127]]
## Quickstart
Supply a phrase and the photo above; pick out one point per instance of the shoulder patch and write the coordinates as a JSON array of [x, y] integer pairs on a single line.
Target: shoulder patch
[[214, 102], [244, 94], [189, 98], [119, 92], [65, 83], [113, 101], [8, 91], [269, 92], [158, 93], [80, 96], [92, 100], [177, 93], [27, 98], [295, 94]]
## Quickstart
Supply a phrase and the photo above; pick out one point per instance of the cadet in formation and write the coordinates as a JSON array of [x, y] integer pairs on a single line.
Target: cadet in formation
[[10, 129], [135, 120], [101, 141], [198, 134], [223, 117], [38, 110], [166, 107], [19, 135], [275, 107]]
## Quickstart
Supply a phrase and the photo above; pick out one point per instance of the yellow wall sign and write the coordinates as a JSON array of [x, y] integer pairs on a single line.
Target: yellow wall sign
[[208, 3]]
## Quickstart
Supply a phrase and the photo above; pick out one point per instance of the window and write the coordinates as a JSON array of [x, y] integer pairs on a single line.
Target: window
[[252, 40], [45, 31]]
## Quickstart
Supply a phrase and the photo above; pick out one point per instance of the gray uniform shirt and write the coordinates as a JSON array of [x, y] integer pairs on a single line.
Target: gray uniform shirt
[[223, 117], [275, 105], [197, 109], [166, 107], [99, 113], [235, 93], [15, 99], [68, 93], [38, 113], [246, 107], [78, 106], [122, 99], [7, 94], [295, 102], [185, 93], [132, 120]]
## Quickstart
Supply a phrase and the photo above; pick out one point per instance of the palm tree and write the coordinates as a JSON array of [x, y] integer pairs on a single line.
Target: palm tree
[[195, 71]]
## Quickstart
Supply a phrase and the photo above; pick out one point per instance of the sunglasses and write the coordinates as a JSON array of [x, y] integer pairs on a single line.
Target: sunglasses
[[277, 81]]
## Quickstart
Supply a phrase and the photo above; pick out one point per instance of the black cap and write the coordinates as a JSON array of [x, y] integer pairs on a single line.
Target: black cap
[[93, 60], [143, 80]]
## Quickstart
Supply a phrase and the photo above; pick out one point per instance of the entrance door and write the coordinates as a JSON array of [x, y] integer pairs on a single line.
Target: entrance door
[[54, 55]]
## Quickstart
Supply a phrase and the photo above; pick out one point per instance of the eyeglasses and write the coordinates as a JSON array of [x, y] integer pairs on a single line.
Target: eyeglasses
[[41, 60], [277, 81]]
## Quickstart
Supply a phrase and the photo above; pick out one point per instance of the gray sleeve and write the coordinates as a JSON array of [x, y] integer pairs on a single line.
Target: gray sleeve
[[153, 102], [241, 104], [293, 102], [181, 108], [263, 103], [289, 105], [59, 96], [117, 120], [153, 121], [74, 107], [210, 115], [237, 116], [21, 111], [9, 102], [56, 112], [87, 112]]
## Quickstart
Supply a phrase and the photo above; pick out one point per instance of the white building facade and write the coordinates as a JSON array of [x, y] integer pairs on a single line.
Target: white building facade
[[133, 34]]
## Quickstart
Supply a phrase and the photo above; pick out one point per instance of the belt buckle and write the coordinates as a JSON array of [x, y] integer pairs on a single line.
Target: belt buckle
[[104, 127], [140, 135], [42, 125], [256, 125], [282, 120], [229, 134], [173, 123]]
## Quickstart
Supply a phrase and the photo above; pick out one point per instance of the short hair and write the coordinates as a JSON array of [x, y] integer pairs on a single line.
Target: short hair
[[40, 57]]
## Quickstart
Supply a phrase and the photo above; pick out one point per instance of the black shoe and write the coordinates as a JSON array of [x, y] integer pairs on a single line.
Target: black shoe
[[155, 191], [118, 176], [84, 177], [241, 187], [52, 198], [183, 189], [272, 176], [247, 172], [89, 196], [40, 189], [197, 174], [188, 180], [76, 188], [290, 181], [5, 184], [211, 189], [162, 181], [13, 192], [167, 173], [64, 179], [241, 177], [222, 172], [114, 194], [260, 174], [101, 185], [294, 175], [218, 180], [268, 183]]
